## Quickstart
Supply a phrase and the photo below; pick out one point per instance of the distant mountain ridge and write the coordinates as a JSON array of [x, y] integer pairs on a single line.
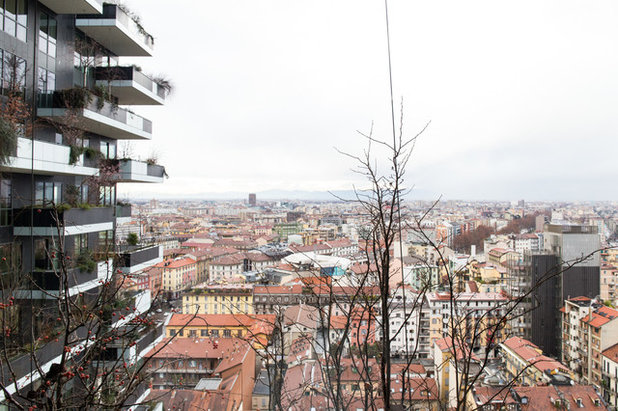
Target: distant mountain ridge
[[281, 195]]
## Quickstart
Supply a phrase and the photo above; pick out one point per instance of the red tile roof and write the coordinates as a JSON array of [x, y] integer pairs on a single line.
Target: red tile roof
[[611, 353], [177, 263]]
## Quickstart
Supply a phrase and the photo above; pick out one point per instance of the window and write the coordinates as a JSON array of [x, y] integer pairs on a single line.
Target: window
[[108, 150], [106, 240], [215, 333], [107, 195], [193, 333], [13, 72], [46, 81], [5, 202], [181, 333], [15, 19], [47, 34], [43, 252], [203, 333], [227, 333], [81, 243], [47, 193]]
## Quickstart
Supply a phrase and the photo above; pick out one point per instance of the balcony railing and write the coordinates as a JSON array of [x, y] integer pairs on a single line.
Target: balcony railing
[[51, 280], [45, 221], [148, 338], [130, 86], [117, 31], [135, 259], [49, 158], [134, 171], [23, 365], [123, 211], [74, 6], [104, 119]]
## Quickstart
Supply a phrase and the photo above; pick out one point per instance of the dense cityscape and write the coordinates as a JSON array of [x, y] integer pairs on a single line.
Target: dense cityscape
[[372, 300]]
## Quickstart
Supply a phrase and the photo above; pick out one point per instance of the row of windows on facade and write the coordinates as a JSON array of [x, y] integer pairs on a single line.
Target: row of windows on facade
[[14, 20], [181, 363], [215, 298], [204, 333], [224, 308], [45, 257], [48, 193], [51, 193]]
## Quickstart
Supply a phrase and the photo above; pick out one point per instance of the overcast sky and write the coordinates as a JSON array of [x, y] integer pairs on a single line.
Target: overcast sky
[[522, 96]]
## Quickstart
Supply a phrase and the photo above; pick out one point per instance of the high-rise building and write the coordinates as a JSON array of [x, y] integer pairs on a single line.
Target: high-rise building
[[567, 267], [60, 60], [578, 247], [252, 200]]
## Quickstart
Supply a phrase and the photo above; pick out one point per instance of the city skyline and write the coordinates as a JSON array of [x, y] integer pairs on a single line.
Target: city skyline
[[520, 99]]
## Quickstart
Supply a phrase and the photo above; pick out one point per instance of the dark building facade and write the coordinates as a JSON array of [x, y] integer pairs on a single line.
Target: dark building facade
[[545, 327], [60, 60], [569, 267]]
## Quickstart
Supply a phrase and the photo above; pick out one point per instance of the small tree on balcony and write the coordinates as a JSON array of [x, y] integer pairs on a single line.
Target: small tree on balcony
[[132, 239]]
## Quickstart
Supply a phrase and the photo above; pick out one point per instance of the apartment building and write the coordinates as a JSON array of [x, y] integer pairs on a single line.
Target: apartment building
[[588, 330], [60, 62], [528, 243], [226, 268], [609, 375], [477, 319], [574, 310], [268, 299], [609, 282], [218, 299], [404, 315], [188, 362], [220, 326], [527, 365], [177, 275]]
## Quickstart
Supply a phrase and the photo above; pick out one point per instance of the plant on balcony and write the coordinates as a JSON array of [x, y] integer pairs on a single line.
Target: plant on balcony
[[132, 239], [136, 19], [62, 207], [165, 83], [103, 94], [85, 261], [76, 97], [90, 153]]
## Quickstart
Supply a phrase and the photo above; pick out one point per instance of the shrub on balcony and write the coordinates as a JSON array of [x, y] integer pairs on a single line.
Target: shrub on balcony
[[85, 261], [132, 239], [89, 152], [76, 97], [60, 208]]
